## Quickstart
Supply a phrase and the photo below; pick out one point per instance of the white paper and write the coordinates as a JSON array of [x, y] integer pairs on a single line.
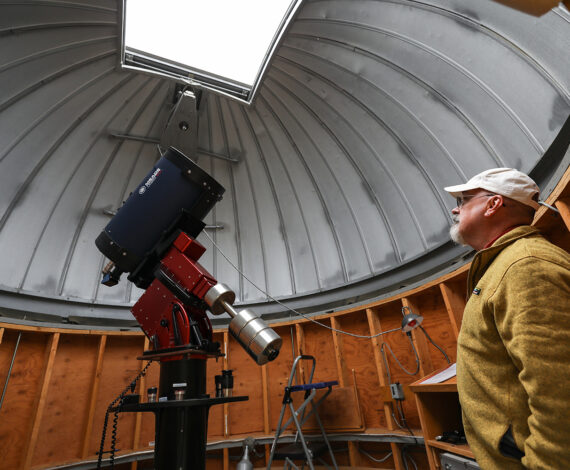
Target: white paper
[[442, 376]]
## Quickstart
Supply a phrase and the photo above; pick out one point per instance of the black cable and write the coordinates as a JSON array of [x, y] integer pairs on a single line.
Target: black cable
[[406, 456], [398, 362], [432, 342], [114, 437], [403, 415], [130, 387]]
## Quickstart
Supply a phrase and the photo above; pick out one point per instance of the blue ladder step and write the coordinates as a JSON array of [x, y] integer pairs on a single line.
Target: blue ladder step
[[313, 386]]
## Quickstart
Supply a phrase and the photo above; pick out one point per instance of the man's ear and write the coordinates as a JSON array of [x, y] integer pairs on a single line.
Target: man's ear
[[493, 205]]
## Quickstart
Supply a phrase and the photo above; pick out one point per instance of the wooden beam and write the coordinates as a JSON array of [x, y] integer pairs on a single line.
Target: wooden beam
[[265, 390], [40, 401], [93, 397], [300, 335], [225, 366], [563, 205], [138, 417], [339, 356], [226, 458], [455, 304], [544, 216], [375, 328], [69, 331], [343, 379], [419, 340]]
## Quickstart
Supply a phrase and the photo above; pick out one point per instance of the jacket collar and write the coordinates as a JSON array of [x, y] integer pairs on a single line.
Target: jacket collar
[[483, 258]]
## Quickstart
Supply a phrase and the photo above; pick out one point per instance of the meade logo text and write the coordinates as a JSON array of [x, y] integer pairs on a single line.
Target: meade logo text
[[149, 181]]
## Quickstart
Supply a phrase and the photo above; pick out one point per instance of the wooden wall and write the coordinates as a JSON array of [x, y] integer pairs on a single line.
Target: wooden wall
[[63, 379]]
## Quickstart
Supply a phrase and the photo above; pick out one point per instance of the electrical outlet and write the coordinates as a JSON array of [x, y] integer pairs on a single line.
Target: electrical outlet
[[397, 391]]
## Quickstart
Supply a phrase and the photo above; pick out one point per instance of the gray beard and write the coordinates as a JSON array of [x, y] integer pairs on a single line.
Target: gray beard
[[455, 235]]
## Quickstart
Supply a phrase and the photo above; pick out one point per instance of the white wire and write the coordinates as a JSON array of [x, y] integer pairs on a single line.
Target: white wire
[[542, 203], [289, 308], [374, 459]]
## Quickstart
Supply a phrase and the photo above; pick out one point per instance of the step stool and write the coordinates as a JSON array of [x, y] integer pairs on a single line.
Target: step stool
[[302, 449]]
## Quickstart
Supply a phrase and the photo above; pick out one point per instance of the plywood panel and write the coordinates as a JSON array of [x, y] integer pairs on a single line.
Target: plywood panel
[[120, 367], [247, 416], [17, 410], [437, 325], [339, 411], [216, 416], [357, 356], [67, 404], [278, 372], [391, 317], [319, 344], [147, 419]]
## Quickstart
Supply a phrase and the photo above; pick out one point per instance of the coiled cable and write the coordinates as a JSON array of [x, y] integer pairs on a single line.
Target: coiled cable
[[131, 387]]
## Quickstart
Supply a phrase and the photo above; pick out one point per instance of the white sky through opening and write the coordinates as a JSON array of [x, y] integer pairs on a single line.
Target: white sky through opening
[[228, 38]]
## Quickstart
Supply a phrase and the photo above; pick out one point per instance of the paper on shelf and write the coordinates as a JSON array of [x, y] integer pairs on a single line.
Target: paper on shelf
[[442, 376]]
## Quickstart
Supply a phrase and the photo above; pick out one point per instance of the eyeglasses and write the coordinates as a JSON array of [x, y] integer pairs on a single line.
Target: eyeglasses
[[461, 200]]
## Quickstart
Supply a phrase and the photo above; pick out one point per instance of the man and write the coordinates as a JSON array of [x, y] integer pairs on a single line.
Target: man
[[513, 354]]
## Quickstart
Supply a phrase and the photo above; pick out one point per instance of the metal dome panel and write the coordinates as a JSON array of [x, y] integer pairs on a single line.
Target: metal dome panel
[[333, 176]]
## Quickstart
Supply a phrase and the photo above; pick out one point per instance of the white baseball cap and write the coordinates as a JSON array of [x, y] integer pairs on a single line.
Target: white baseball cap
[[507, 182]]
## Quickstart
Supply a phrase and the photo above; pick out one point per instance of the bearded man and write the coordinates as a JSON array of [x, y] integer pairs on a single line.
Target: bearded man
[[513, 351]]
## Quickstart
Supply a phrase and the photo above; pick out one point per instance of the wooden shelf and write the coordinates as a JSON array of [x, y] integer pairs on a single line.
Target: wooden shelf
[[460, 449], [448, 386], [439, 410]]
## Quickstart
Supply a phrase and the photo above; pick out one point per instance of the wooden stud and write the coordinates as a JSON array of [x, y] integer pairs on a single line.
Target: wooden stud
[[138, 417], [264, 383], [226, 458], [545, 216], [49, 360], [300, 334], [225, 366], [375, 328], [93, 397], [563, 206], [266, 425], [339, 357], [420, 340], [68, 331], [342, 380], [455, 304]]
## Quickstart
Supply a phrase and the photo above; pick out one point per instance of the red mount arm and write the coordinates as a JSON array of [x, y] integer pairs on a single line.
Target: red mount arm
[[171, 311]]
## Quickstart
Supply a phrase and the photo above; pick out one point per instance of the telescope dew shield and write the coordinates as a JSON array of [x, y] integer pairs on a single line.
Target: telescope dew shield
[[174, 188]]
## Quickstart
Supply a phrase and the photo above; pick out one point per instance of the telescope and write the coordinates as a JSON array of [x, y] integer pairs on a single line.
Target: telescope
[[152, 239]]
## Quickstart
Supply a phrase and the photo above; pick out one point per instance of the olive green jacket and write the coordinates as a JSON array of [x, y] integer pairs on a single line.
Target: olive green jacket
[[513, 358]]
